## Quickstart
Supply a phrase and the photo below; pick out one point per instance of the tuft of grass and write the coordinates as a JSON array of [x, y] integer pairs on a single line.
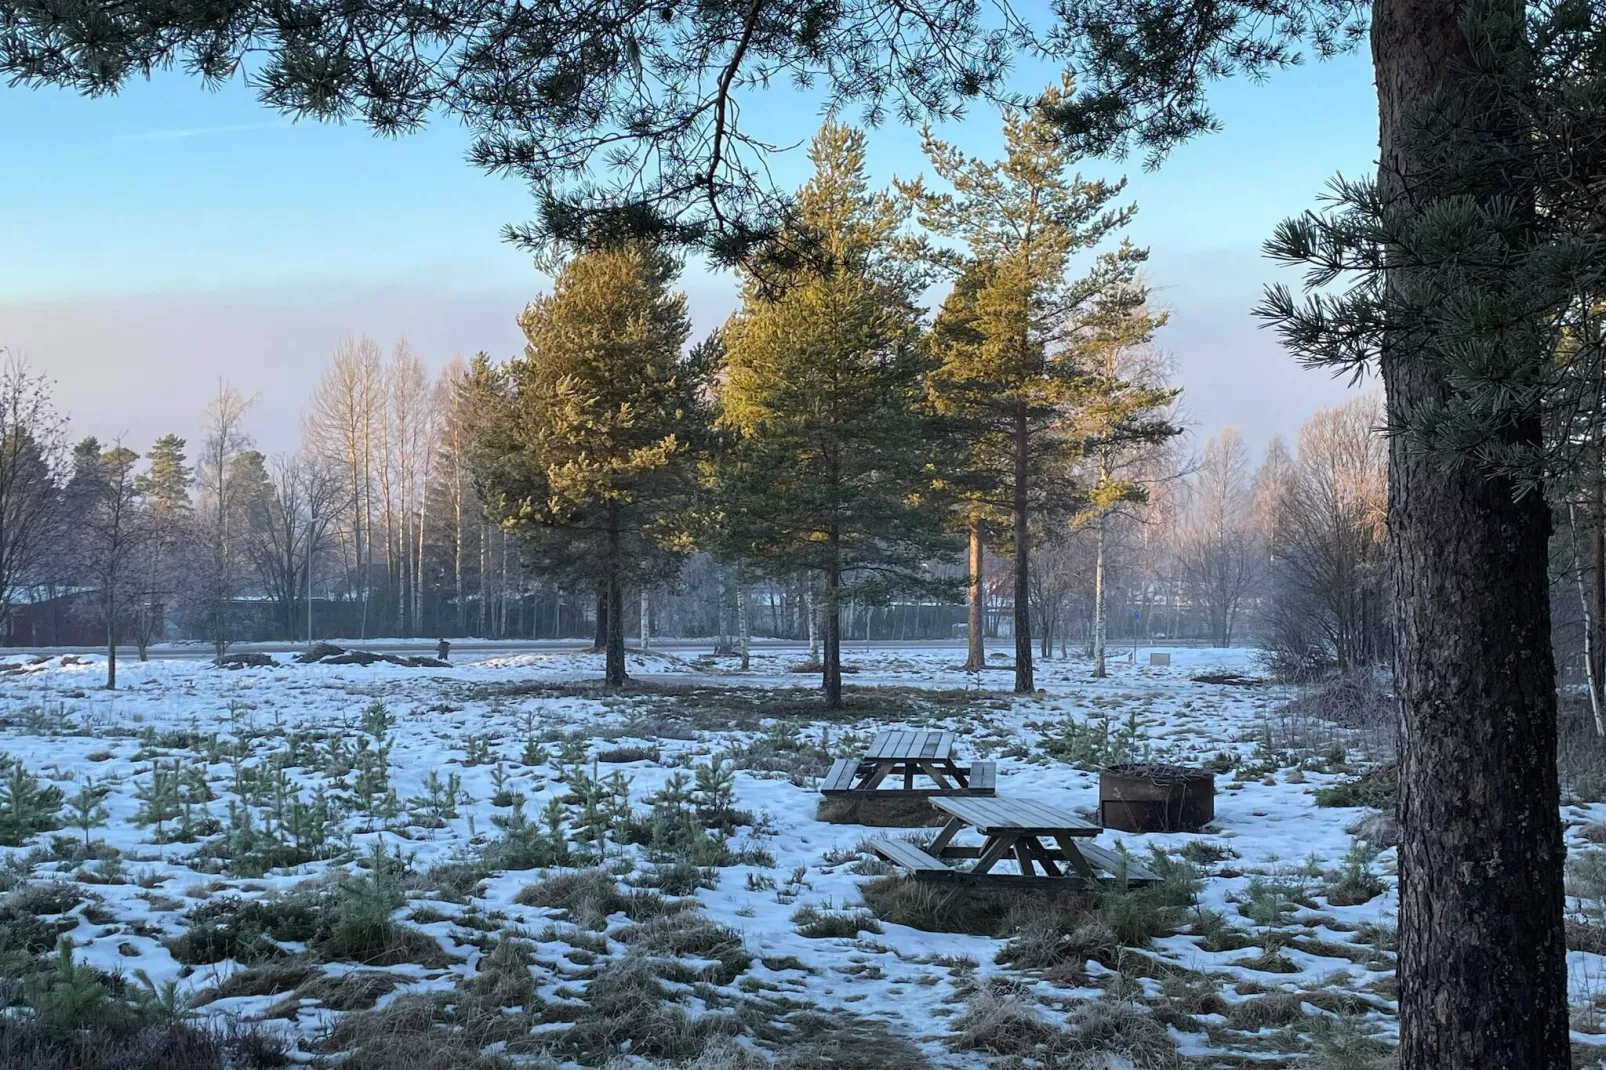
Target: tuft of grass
[[1004, 1024], [691, 935], [934, 908], [815, 923], [170, 1045], [626, 755], [355, 991], [268, 979], [585, 897]]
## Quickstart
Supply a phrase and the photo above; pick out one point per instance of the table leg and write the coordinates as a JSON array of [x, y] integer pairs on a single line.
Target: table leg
[[1040, 853], [1023, 856], [1076, 859], [875, 779], [956, 772], [992, 851], [931, 770], [945, 837]]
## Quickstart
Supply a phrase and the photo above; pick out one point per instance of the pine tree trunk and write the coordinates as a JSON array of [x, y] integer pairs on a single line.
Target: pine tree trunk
[[1482, 957], [813, 612], [614, 659], [601, 642], [111, 649], [831, 663], [975, 607], [1098, 602], [743, 626], [646, 620], [1597, 655], [1023, 609]]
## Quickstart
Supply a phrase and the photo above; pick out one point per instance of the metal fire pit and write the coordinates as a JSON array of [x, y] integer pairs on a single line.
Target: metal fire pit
[[1151, 797]]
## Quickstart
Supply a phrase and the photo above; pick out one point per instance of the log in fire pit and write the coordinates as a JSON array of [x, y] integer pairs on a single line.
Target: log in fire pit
[[1152, 797]]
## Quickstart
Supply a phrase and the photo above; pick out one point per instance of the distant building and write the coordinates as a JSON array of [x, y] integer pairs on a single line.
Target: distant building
[[70, 619]]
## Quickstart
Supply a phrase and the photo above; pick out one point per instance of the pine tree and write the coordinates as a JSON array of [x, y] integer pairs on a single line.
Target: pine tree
[[1461, 271], [26, 806], [977, 450], [589, 449], [821, 400], [1121, 411], [166, 489], [87, 811], [1023, 219]]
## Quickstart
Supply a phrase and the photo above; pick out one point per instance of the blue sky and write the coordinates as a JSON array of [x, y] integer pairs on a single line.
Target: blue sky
[[156, 241]]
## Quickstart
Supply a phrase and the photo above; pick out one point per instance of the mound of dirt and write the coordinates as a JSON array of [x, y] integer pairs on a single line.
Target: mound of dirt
[[246, 661], [329, 654]]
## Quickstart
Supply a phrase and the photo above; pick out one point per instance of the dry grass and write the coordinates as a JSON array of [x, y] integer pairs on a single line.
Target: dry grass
[[355, 991], [585, 897], [894, 810], [269, 979], [26, 1045], [840, 924], [1099, 1033]]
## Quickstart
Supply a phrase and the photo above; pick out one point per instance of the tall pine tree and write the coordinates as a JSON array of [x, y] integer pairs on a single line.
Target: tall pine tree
[[166, 488], [829, 453], [1122, 411], [588, 445], [1025, 217]]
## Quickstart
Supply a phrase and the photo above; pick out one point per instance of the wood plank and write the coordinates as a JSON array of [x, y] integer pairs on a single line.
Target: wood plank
[[962, 808], [1110, 862], [983, 777], [998, 880], [907, 855], [873, 781], [883, 744], [911, 743], [840, 778], [1042, 856], [1001, 813]]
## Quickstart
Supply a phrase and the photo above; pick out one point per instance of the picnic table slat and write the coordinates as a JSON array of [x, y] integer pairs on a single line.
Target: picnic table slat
[[840, 778], [907, 855], [1004, 814]]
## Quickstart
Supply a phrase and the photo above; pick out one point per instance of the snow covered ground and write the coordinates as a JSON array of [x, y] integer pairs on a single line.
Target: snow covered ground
[[270, 786]]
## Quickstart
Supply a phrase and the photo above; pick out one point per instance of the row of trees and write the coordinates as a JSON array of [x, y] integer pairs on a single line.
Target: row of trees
[[825, 431]]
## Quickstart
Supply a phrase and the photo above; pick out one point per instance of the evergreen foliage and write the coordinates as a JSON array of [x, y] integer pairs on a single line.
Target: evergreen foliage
[[828, 454], [1008, 375], [589, 442], [26, 806]]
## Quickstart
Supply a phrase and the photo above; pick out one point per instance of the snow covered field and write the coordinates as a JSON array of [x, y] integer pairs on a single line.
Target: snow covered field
[[382, 859]]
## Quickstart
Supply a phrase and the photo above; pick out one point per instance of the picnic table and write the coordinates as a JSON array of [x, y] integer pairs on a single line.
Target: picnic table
[[1033, 835], [903, 754]]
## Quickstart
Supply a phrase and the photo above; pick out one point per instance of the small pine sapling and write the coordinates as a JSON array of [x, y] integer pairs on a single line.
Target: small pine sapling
[[26, 807], [87, 812]]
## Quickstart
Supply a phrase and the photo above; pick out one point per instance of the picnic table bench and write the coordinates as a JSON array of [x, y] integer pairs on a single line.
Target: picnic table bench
[[901, 755], [1034, 835]]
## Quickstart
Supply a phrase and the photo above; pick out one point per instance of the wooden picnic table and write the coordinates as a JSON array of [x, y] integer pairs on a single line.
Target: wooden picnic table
[[1034, 835], [903, 754]]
